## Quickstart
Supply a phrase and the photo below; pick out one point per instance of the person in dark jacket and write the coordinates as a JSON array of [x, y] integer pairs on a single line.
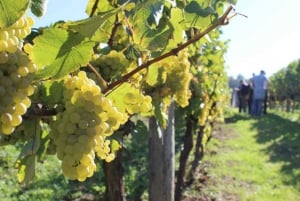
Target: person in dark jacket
[[243, 94]]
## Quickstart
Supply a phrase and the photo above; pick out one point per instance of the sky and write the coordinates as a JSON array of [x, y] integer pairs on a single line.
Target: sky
[[268, 39]]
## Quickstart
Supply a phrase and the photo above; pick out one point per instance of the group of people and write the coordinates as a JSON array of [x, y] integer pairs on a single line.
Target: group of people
[[252, 95]]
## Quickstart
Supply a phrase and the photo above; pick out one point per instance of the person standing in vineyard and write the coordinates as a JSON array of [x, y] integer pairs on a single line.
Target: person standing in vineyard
[[260, 84], [266, 97], [243, 94], [250, 96]]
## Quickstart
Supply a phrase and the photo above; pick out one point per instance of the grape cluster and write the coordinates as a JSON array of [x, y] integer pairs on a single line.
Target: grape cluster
[[80, 131], [16, 75], [176, 79], [110, 65], [179, 77], [11, 37], [121, 39], [137, 103]]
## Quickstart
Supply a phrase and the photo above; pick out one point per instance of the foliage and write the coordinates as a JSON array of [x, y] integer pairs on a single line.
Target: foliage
[[284, 84], [150, 52], [249, 145]]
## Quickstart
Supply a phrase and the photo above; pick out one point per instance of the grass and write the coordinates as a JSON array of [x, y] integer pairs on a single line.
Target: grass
[[248, 159], [254, 159]]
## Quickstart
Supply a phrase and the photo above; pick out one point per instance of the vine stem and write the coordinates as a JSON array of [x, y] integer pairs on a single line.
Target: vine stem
[[94, 8], [103, 84], [223, 20]]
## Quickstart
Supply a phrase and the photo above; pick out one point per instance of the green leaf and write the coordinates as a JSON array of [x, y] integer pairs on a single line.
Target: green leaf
[[156, 40], [176, 20], [194, 7], [58, 52], [155, 76], [160, 116], [197, 16], [88, 27], [117, 96], [144, 18], [26, 169], [52, 92], [115, 145], [31, 128], [102, 6], [11, 11], [38, 7], [132, 52]]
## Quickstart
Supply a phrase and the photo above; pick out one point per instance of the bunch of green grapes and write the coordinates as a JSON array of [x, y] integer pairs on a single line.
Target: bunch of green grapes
[[178, 78], [16, 75], [80, 131], [11, 37], [137, 103], [121, 39], [110, 65]]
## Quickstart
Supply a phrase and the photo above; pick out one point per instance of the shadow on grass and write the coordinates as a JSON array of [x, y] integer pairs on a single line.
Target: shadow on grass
[[237, 117], [283, 136]]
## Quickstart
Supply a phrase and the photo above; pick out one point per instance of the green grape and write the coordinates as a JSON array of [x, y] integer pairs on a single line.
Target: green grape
[[16, 120], [7, 129], [3, 57], [3, 45], [136, 102], [177, 79], [4, 35], [6, 118], [23, 71], [11, 37], [14, 91], [15, 78], [20, 108], [111, 65], [121, 39], [79, 132]]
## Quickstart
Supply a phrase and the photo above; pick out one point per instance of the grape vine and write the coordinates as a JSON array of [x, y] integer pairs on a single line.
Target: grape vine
[[77, 83]]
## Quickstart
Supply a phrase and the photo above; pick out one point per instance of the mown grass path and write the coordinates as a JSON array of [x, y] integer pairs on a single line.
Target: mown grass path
[[253, 159]]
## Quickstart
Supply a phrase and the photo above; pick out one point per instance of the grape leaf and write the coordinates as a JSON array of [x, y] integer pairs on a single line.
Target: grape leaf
[[31, 128], [88, 27], [120, 92], [102, 6], [197, 16], [156, 40], [115, 145], [11, 11], [39, 7], [176, 20], [52, 92], [145, 19], [58, 52], [26, 169]]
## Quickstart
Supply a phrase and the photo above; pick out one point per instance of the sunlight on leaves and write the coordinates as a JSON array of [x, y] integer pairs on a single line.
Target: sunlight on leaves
[[58, 52], [11, 11]]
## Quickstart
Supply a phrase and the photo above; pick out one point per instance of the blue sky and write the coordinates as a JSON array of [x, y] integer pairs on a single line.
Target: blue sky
[[268, 39]]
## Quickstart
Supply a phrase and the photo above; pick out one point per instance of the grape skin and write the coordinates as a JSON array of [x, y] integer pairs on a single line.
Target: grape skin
[[80, 131], [16, 73]]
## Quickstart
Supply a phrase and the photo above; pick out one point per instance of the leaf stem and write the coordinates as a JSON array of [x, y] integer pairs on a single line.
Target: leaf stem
[[94, 8], [114, 31], [221, 21], [102, 83]]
